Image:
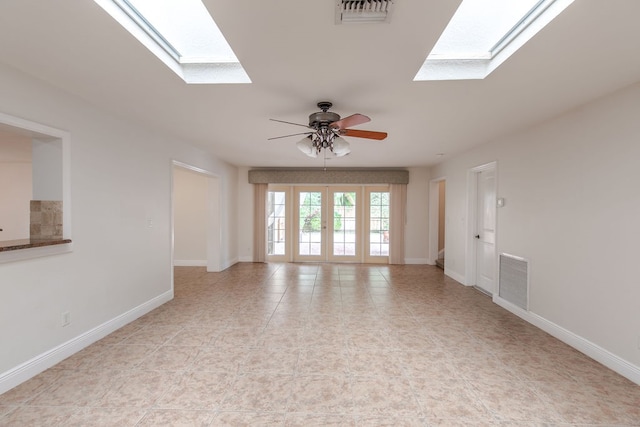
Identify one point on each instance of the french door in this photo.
(328, 224)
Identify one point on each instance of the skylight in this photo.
(483, 33)
(183, 35)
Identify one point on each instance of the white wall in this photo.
(190, 217)
(15, 185)
(416, 236)
(572, 191)
(245, 215)
(15, 196)
(47, 169)
(120, 179)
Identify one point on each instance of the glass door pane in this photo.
(276, 223)
(310, 224)
(378, 224)
(345, 243)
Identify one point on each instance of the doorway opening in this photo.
(437, 222)
(195, 218)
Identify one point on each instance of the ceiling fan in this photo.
(327, 129)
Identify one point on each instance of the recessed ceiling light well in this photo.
(482, 34)
(183, 35)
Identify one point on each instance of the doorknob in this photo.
(477, 236)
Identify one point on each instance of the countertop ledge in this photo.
(14, 245)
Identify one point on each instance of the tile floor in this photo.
(329, 344)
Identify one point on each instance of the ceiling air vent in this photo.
(363, 11)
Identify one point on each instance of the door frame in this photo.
(213, 227)
(367, 258)
(323, 189)
(288, 233)
(331, 232)
(434, 221)
(472, 221)
(362, 223)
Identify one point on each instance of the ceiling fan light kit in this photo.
(327, 128)
(307, 147)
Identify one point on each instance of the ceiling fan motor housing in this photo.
(321, 118)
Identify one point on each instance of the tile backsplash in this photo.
(46, 219)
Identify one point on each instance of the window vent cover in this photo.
(363, 11)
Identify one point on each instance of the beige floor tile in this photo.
(505, 400)
(31, 388)
(318, 336)
(325, 344)
(195, 336)
(374, 363)
(279, 360)
(321, 394)
(259, 393)
(138, 388)
(247, 419)
(452, 399)
(319, 420)
(224, 359)
(105, 417)
(384, 396)
(390, 421)
(433, 365)
(197, 390)
(78, 388)
(176, 418)
(169, 358)
(585, 404)
(153, 335)
(38, 416)
(245, 336)
(368, 339)
(280, 338)
(6, 409)
(119, 357)
(323, 361)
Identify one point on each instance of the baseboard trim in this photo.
(230, 263)
(415, 261)
(190, 263)
(455, 276)
(40, 363)
(594, 351)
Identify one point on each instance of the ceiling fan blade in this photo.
(290, 123)
(293, 134)
(364, 134)
(352, 120)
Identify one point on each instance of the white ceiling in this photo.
(296, 56)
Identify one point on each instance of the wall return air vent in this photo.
(513, 284)
(363, 11)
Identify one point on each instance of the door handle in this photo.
(477, 236)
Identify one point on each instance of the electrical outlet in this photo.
(66, 318)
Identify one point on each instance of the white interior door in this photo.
(485, 236)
